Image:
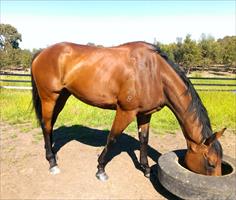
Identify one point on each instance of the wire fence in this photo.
(22, 82)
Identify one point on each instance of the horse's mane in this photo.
(196, 106)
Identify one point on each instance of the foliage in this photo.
(210, 51)
(10, 53)
(228, 50)
(26, 57)
(170, 50)
(191, 52)
(9, 37)
(206, 52)
(15, 58)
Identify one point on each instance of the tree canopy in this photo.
(10, 53)
(205, 52)
(9, 37)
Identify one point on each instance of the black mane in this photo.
(196, 106)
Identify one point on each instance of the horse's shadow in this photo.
(97, 138)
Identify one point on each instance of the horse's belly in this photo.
(95, 94)
(98, 100)
(103, 86)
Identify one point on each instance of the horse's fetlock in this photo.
(50, 156)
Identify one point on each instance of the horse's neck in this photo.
(178, 100)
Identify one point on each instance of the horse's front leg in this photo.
(143, 131)
(121, 121)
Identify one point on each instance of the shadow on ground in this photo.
(125, 143)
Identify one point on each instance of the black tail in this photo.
(35, 95)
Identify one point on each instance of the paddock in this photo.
(24, 177)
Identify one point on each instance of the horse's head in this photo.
(205, 158)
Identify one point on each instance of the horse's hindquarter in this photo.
(46, 71)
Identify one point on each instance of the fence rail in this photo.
(211, 78)
(14, 81)
(15, 87)
(216, 68)
(204, 86)
(12, 74)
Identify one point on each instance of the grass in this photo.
(16, 106)
(16, 109)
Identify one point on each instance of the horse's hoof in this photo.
(54, 170)
(102, 176)
(147, 174)
(146, 171)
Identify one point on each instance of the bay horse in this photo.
(136, 79)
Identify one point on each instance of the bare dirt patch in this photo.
(25, 175)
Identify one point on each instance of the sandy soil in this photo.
(25, 175)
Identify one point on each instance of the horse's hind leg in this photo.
(143, 131)
(121, 121)
(48, 105)
(60, 103)
(51, 107)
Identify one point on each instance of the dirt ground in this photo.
(25, 175)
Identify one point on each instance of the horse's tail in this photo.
(35, 95)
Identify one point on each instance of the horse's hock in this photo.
(188, 185)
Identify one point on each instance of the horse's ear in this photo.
(214, 137)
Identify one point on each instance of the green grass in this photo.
(221, 107)
(16, 106)
(16, 109)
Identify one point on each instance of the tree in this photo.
(178, 51)
(228, 50)
(10, 53)
(9, 37)
(26, 57)
(191, 53)
(207, 52)
(210, 51)
(168, 49)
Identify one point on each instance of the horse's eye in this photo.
(211, 165)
